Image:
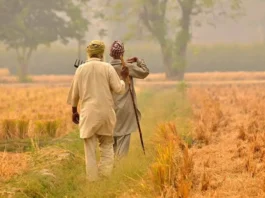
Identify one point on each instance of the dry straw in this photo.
(171, 173)
(37, 112)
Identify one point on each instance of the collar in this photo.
(115, 62)
(93, 59)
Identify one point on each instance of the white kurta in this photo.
(93, 85)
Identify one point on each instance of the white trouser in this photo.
(106, 157)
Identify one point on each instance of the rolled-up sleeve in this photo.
(116, 85)
(73, 95)
(140, 70)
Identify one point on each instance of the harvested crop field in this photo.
(12, 164)
(38, 111)
(222, 125)
(228, 127)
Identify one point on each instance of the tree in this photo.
(170, 22)
(25, 25)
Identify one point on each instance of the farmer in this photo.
(93, 84)
(126, 118)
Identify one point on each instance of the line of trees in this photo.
(25, 25)
(169, 22)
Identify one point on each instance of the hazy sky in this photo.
(245, 29)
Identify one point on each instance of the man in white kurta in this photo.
(93, 85)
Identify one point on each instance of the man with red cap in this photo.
(126, 119)
(92, 88)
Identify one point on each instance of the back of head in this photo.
(117, 49)
(96, 48)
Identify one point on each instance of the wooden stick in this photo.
(134, 106)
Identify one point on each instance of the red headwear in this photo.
(117, 49)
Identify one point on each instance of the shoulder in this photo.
(95, 63)
(108, 67)
(130, 65)
(107, 64)
(81, 68)
(101, 63)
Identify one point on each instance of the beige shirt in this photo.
(93, 85)
(125, 113)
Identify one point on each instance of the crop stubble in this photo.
(228, 125)
(229, 151)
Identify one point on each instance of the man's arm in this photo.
(140, 70)
(73, 98)
(117, 85)
(75, 92)
(75, 115)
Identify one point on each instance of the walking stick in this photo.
(134, 106)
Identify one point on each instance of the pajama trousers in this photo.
(121, 145)
(104, 168)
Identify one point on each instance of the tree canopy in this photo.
(169, 22)
(24, 25)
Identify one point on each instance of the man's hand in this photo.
(132, 60)
(124, 73)
(75, 118)
(75, 115)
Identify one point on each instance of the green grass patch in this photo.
(59, 170)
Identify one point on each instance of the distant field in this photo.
(4, 72)
(214, 76)
(159, 77)
(61, 79)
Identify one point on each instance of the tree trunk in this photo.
(172, 72)
(23, 57)
(179, 63)
(153, 17)
(167, 59)
(182, 39)
(23, 71)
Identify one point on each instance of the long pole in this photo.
(134, 106)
